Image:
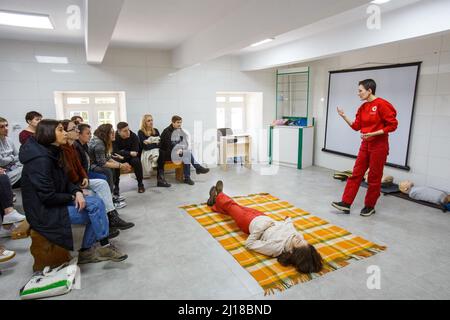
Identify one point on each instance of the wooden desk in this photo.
(230, 149)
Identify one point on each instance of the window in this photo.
(236, 99)
(221, 99)
(105, 100)
(237, 118)
(220, 114)
(77, 100)
(106, 117)
(83, 114)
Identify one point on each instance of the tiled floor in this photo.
(173, 257)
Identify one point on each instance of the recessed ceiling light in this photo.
(50, 59)
(379, 1)
(28, 20)
(63, 70)
(262, 42)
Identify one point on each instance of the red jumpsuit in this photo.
(371, 116)
(241, 215)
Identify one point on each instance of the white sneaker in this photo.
(5, 233)
(119, 205)
(6, 255)
(13, 217)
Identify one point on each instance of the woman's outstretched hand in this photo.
(340, 111)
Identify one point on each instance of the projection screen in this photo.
(396, 84)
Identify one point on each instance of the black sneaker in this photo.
(201, 170)
(116, 222)
(189, 181)
(367, 211)
(163, 184)
(113, 232)
(344, 207)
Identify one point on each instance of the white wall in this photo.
(150, 83)
(429, 154)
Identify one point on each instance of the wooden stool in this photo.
(46, 253)
(179, 175)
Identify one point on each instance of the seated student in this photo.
(32, 118)
(149, 139)
(7, 211)
(9, 155)
(78, 176)
(175, 147)
(102, 161)
(77, 119)
(52, 203)
(267, 236)
(126, 145)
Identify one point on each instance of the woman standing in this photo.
(376, 118)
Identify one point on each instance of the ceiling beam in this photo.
(253, 22)
(101, 18)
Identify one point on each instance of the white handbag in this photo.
(52, 282)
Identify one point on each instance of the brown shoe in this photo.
(88, 256)
(141, 189)
(219, 186)
(212, 196)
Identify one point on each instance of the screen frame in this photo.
(405, 167)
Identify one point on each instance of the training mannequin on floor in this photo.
(422, 193)
(269, 237)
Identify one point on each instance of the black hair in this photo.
(45, 131)
(369, 84)
(83, 126)
(305, 259)
(31, 115)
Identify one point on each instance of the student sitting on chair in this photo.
(9, 155)
(126, 145)
(52, 203)
(175, 147)
(32, 118)
(149, 139)
(267, 236)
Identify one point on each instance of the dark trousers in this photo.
(136, 163)
(6, 194)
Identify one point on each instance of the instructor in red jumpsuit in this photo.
(375, 119)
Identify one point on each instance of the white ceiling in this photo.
(199, 30)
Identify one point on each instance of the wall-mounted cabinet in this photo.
(292, 92)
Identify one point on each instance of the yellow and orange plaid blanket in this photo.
(336, 245)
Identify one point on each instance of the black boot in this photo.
(113, 232)
(161, 181)
(116, 222)
(189, 181)
(201, 170)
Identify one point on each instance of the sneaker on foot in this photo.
(344, 207)
(189, 181)
(88, 256)
(6, 255)
(110, 252)
(201, 170)
(119, 205)
(163, 183)
(118, 198)
(367, 211)
(13, 217)
(141, 189)
(219, 186)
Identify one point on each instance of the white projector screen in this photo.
(396, 84)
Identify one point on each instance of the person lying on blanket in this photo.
(267, 236)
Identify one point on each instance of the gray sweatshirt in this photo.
(9, 159)
(428, 194)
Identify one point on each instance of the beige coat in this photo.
(271, 237)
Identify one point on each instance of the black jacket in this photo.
(125, 146)
(143, 137)
(83, 152)
(46, 192)
(172, 137)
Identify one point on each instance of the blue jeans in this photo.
(96, 175)
(95, 219)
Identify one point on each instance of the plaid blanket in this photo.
(336, 245)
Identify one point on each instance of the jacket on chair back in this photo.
(46, 192)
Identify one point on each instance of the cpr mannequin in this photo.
(386, 181)
(424, 193)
